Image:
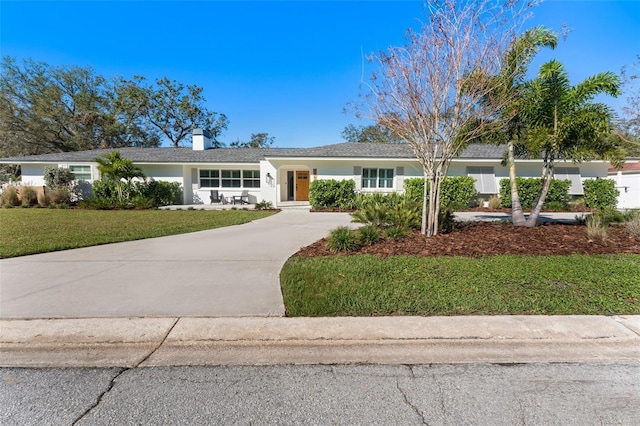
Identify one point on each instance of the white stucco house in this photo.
(282, 175)
(628, 183)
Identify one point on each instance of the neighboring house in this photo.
(281, 175)
(628, 183)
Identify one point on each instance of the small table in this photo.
(243, 199)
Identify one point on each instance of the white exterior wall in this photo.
(33, 174)
(629, 186)
(269, 186)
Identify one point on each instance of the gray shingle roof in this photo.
(253, 155)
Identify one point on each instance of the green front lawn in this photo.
(365, 285)
(30, 231)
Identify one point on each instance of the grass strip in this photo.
(409, 285)
(30, 231)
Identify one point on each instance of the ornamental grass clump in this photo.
(597, 229)
(494, 202)
(369, 235)
(9, 197)
(342, 239)
(633, 224)
(29, 196)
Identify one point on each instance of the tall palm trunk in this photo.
(517, 215)
(542, 195)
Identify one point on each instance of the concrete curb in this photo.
(133, 342)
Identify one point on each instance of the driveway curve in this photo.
(231, 271)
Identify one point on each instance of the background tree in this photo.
(258, 140)
(429, 91)
(629, 123)
(172, 108)
(369, 134)
(52, 109)
(563, 123)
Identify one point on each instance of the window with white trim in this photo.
(485, 179)
(251, 178)
(209, 178)
(81, 172)
(377, 178)
(572, 174)
(230, 178)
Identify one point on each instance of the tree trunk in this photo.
(423, 228)
(542, 195)
(435, 182)
(517, 215)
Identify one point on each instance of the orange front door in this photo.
(302, 186)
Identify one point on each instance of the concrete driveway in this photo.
(232, 271)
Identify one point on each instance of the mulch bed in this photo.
(487, 239)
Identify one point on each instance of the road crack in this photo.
(410, 404)
(121, 371)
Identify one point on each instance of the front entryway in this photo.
(302, 185)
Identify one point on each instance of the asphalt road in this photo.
(481, 394)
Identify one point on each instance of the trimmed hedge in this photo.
(332, 194)
(600, 193)
(456, 192)
(528, 189)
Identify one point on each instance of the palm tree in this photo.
(117, 168)
(562, 122)
(513, 74)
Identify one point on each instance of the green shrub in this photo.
(446, 221)
(529, 188)
(395, 232)
(56, 177)
(456, 192)
(369, 235)
(600, 193)
(29, 196)
(142, 202)
(332, 194)
(160, 193)
(408, 215)
(387, 210)
(391, 200)
(555, 206)
(10, 197)
(121, 194)
(96, 203)
(413, 189)
(342, 239)
(609, 215)
(264, 205)
(376, 214)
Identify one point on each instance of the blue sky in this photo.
(283, 67)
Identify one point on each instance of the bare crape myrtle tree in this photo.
(432, 91)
